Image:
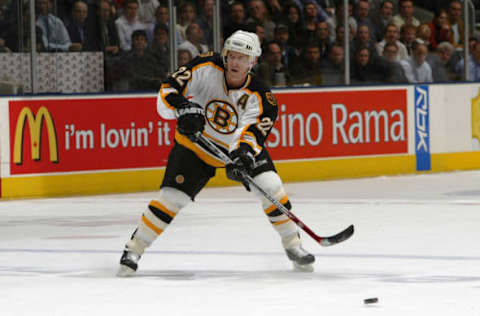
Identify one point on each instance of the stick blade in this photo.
(338, 238)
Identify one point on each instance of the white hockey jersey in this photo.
(233, 116)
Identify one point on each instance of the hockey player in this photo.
(219, 97)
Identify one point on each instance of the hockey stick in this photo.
(324, 241)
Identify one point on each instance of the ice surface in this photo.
(416, 248)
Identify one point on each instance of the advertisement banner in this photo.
(340, 123)
(48, 136)
(85, 134)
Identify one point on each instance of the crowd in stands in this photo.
(390, 41)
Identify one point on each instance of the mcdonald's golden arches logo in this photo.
(35, 124)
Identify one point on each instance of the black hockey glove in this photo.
(190, 119)
(243, 161)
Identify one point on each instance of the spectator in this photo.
(14, 43)
(160, 51)
(407, 37)
(108, 40)
(289, 54)
(320, 4)
(337, 19)
(444, 52)
(114, 10)
(161, 14)
(458, 54)
(416, 67)
(236, 20)
(439, 68)
(367, 69)
(310, 20)
(161, 17)
(118, 4)
(127, 24)
(146, 11)
(308, 70)
(183, 56)
(295, 25)
(185, 17)
(205, 20)
(109, 43)
(260, 31)
(63, 9)
(382, 19)
(440, 28)
(395, 73)
(424, 34)
(334, 67)
(194, 40)
(323, 39)
(391, 36)
(473, 64)
(363, 18)
(259, 14)
(363, 40)
(140, 69)
(81, 35)
(3, 32)
(406, 14)
(456, 22)
(9, 37)
(275, 8)
(272, 70)
(340, 35)
(54, 34)
(4, 27)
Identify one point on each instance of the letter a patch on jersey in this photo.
(242, 102)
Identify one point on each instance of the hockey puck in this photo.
(371, 300)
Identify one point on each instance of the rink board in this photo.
(70, 145)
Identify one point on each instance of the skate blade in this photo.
(125, 272)
(303, 267)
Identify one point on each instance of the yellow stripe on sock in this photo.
(162, 208)
(151, 226)
(281, 222)
(272, 207)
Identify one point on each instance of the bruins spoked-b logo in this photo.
(221, 116)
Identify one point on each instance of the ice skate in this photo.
(128, 263)
(301, 259)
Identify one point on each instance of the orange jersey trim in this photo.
(164, 95)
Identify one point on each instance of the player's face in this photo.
(238, 64)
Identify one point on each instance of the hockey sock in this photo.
(280, 222)
(156, 218)
(271, 183)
